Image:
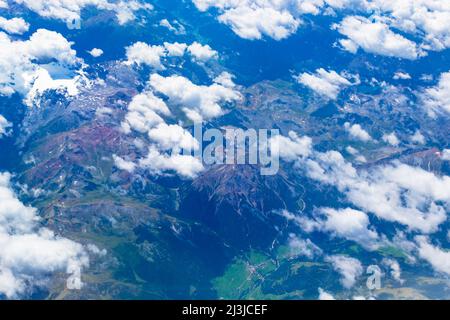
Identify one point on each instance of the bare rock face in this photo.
(239, 203)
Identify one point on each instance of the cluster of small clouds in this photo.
(278, 19)
(24, 66)
(29, 253)
(326, 83)
(199, 102)
(395, 192)
(370, 25)
(147, 111)
(387, 191)
(69, 11)
(142, 53)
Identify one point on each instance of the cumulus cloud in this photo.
(144, 112)
(278, 19)
(14, 25)
(28, 254)
(395, 269)
(370, 29)
(437, 98)
(96, 52)
(401, 76)
(418, 138)
(323, 295)
(349, 268)
(201, 52)
(198, 101)
(375, 37)
(391, 138)
(388, 191)
(437, 257)
(445, 154)
(158, 162)
(123, 164)
(347, 223)
(142, 53)
(175, 49)
(427, 19)
(254, 22)
(69, 11)
(168, 145)
(5, 125)
(292, 147)
(303, 247)
(225, 79)
(325, 83)
(29, 73)
(175, 26)
(357, 132)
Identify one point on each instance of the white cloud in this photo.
(29, 73)
(349, 224)
(326, 83)
(202, 52)
(28, 254)
(3, 4)
(395, 270)
(254, 22)
(278, 19)
(198, 101)
(151, 55)
(166, 141)
(5, 125)
(225, 79)
(375, 37)
(446, 155)
(437, 98)
(175, 26)
(391, 138)
(292, 147)
(399, 75)
(396, 192)
(349, 268)
(426, 20)
(173, 137)
(323, 295)
(144, 112)
(142, 53)
(303, 247)
(71, 10)
(14, 25)
(437, 257)
(418, 138)
(175, 49)
(123, 164)
(357, 132)
(158, 162)
(96, 52)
